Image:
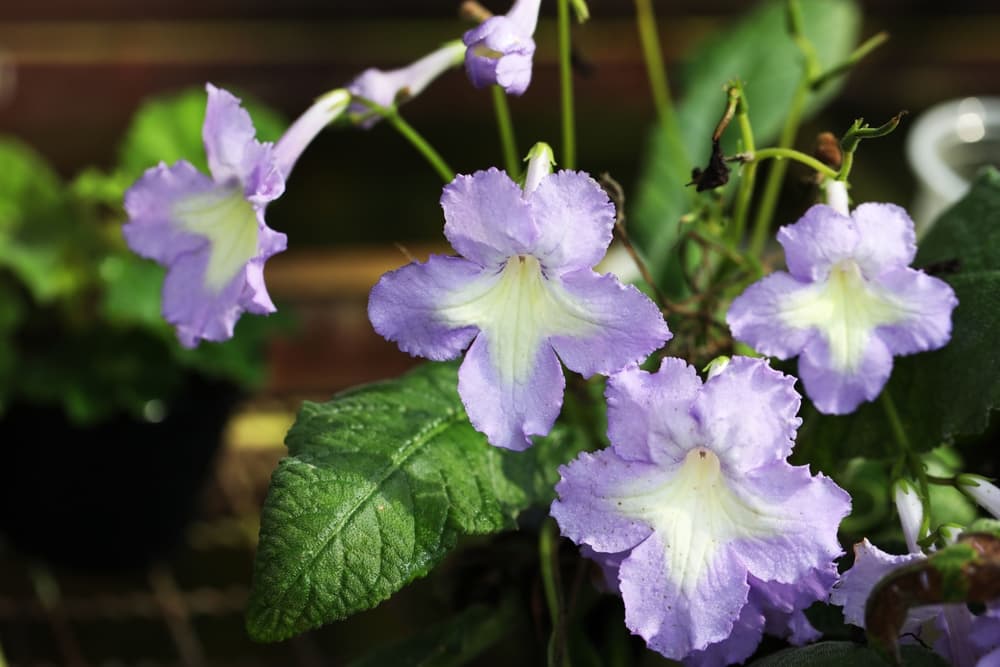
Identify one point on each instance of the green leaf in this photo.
(838, 654)
(380, 483)
(168, 129)
(759, 51)
(451, 643)
(948, 392)
(36, 227)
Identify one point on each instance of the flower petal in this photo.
(510, 408)
(574, 218)
(886, 238)
(152, 230)
(487, 219)
(674, 612)
(622, 324)
(834, 392)
(821, 238)
(855, 585)
(228, 134)
(741, 643)
(590, 489)
(405, 305)
(755, 317)
(649, 414)
(747, 413)
(927, 302)
(802, 513)
(499, 52)
(198, 312)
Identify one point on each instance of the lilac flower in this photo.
(848, 304)
(521, 293)
(964, 639)
(388, 88)
(500, 48)
(722, 538)
(209, 231)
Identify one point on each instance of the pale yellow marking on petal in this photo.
(517, 309)
(695, 514)
(229, 222)
(846, 309)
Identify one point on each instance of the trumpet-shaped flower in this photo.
(387, 88)
(718, 538)
(849, 303)
(500, 49)
(209, 231)
(521, 293)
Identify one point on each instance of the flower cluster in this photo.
(717, 539)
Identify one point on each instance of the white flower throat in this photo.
(229, 222)
(846, 309)
(517, 308)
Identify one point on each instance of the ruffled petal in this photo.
(838, 393)
(153, 230)
(755, 317)
(821, 238)
(678, 612)
(747, 413)
(405, 306)
(623, 325)
(649, 414)
(798, 515)
(229, 135)
(510, 406)
(886, 238)
(487, 219)
(747, 632)
(871, 564)
(590, 489)
(199, 313)
(927, 303)
(574, 218)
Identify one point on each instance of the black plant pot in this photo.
(110, 496)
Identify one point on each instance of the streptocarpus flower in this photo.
(209, 231)
(964, 639)
(849, 303)
(722, 538)
(500, 48)
(388, 88)
(521, 293)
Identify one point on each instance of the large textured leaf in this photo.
(759, 51)
(948, 392)
(379, 484)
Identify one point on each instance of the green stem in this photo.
(548, 540)
(506, 128)
(566, 85)
(792, 154)
(748, 175)
(772, 188)
(416, 140)
(911, 458)
(649, 40)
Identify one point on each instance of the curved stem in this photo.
(651, 53)
(416, 140)
(748, 175)
(506, 128)
(791, 154)
(772, 188)
(548, 554)
(566, 86)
